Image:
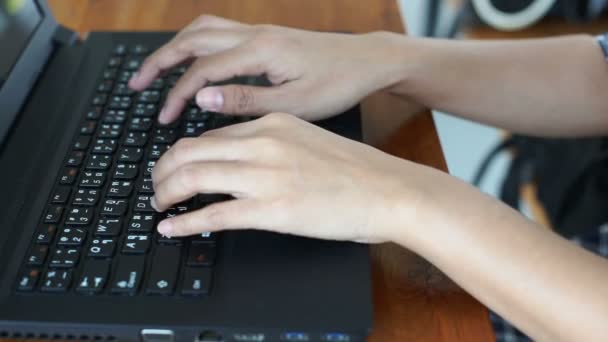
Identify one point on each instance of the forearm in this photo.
(547, 286)
(550, 87)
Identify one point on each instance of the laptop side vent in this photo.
(46, 336)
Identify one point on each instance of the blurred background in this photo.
(464, 143)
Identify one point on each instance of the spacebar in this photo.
(163, 275)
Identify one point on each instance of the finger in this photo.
(181, 48)
(213, 68)
(206, 21)
(238, 99)
(188, 180)
(234, 214)
(190, 150)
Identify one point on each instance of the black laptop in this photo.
(80, 258)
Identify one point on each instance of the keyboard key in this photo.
(194, 114)
(157, 150)
(92, 179)
(201, 254)
(114, 207)
(82, 142)
(136, 139)
(99, 99)
(72, 237)
(88, 127)
(104, 146)
(99, 162)
(149, 167)
(105, 86)
(194, 129)
(197, 281)
(61, 195)
(141, 223)
(165, 240)
(130, 154)
(79, 216)
(204, 237)
(37, 255)
(45, 234)
(145, 109)
(136, 244)
(102, 248)
(122, 89)
(126, 171)
(129, 272)
(120, 50)
(65, 258)
(56, 280)
(163, 275)
(27, 280)
(139, 49)
(132, 63)
(94, 113)
(68, 176)
(142, 204)
(53, 214)
(120, 189)
(148, 96)
(157, 84)
(86, 197)
(108, 226)
(140, 124)
(94, 276)
(114, 62)
(124, 76)
(145, 187)
(119, 102)
(115, 116)
(111, 131)
(164, 136)
(75, 158)
(109, 74)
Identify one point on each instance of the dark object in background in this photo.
(571, 176)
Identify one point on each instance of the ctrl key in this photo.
(197, 281)
(27, 280)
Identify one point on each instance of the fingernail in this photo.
(153, 203)
(165, 228)
(210, 99)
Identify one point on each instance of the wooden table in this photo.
(413, 300)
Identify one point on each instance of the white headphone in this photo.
(512, 21)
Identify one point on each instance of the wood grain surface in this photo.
(413, 300)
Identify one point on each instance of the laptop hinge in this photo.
(64, 36)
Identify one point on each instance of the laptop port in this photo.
(157, 335)
(295, 337)
(249, 337)
(335, 337)
(209, 336)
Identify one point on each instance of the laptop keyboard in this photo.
(98, 234)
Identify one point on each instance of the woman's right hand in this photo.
(314, 75)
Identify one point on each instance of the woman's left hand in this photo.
(287, 176)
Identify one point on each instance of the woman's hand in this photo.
(287, 176)
(315, 75)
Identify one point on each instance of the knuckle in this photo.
(276, 119)
(188, 177)
(267, 144)
(243, 98)
(182, 149)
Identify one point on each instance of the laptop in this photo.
(80, 258)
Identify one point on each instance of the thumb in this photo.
(244, 99)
